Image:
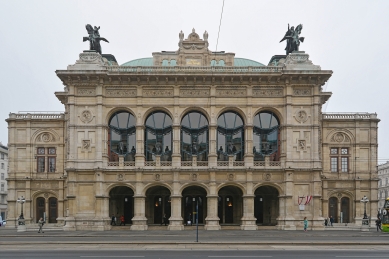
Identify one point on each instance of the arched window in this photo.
(266, 136)
(230, 136)
(158, 136)
(194, 137)
(122, 139)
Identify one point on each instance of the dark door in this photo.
(345, 209)
(228, 210)
(258, 205)
(127, 208)
(333, 208)
(158, 208)
(53, 210)
(40, 208)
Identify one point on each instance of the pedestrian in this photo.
(305, 224)
(122, 220)
(164, 220)
(40, 224)
(378, 224)
(325, 222)
(113, 220)
(332, 221)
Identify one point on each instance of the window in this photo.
(2, 156)
(266, 136)
(342, 158)
(122, 140)
(158, 136)
(230, 136)
(2, 176)
(2, 187)
(194, 137)
(46, 155)
(2, 165)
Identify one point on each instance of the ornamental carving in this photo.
(194, 177)
(267, 176)
(230, 92)
(302, 91)
(109, 92)
(194, 93)
(301, 116)
(302, 144)
(45, 137)
(340, 137)
(85, 144)
(120, 177)
(230, 177)
(86, 91)
(157, 177)
(86, 116)
(158, 93)
(89, 57)
(267, 92)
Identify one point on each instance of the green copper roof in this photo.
(148, 62)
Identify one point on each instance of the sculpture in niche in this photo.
(94, 38)
(293, 39)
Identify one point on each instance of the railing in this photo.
(222, 163)
(150, 163)
(129, 163)
(274, 163)
(202, 163)
(35, 116)
(166, 163)
(352, 116)
(186, 163)
(238, 163)
(113, 164)
(189, 69)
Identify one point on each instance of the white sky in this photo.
(348, 37)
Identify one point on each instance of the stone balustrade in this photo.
(350, 116)
(37, 116)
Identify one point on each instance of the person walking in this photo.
(332, 221)
(113, 220)
(40, 224)
(164, 220)
(122, 220)
(325, 222)
(305, 224)
(378, 224)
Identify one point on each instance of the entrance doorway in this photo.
(121, 202)
(333, 208)
(230, 205)
(53, 210)
(266, 205)
(158, 204)
(345, 209)
(40, 208)
(194, 198)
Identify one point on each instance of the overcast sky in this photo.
(348, 37)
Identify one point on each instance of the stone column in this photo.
(176, 219)
(248, 150)
(248, 220)
(140, 156)
(212, 219)
(176, 155)
(212, 156)
(139, 221)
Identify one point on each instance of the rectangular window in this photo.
(334, 151)
(51, 151)
(334, 164)
(344, 151)
(345, 164)
(41, 164)
(2, 165)
(2, 176)
(51, 164)
(2, 187)
(2, 156)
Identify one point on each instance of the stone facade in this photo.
(383, 184)
(188, 133)
(3, 180)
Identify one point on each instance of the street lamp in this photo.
(21, 200)
(364, 200)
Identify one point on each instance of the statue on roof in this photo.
(293, 39)
(94, 38)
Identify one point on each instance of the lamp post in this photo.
(21, 200)
(364, 200)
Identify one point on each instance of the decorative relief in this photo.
(194, 177)
(267, 92)
(46, 195)
(157, 177)
(339, 195)
(267, 176)
(230, 92)
(301, 116)
(340, 137)
(86, 144)
(230, 177)
(86, 116)
(120, 177)
(158, 93)
(302, 91)
(302, 145)
(89, 57)
(86, 91)
(194, 92)
(114, 92)
(45, 137)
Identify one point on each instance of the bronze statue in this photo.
(293, 39)
(94, 38)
